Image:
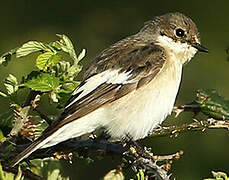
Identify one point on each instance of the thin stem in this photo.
(195, 126)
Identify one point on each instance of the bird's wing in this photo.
(106, 81)
(130, 70)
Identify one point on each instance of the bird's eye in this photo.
(179, 32)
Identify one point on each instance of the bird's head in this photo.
(177, 34)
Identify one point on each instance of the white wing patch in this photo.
(108, 76)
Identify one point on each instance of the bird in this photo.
(129, 88)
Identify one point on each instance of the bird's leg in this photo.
(140, 151)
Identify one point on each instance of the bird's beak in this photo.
(200, 48)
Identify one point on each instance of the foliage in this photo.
(218, 176)
(57, 66)
(209, 102)
(54, 75)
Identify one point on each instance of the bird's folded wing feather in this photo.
(113, 74)
(130, 70)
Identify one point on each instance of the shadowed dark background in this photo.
(96, 24)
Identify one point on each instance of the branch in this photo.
(135, 156)
(195, 126)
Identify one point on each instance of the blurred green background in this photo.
(96, 24)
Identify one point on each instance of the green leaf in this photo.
(81, 55)
(218, 176)
(114, 174)
(63, 97)
(212, 104)
(140, 175)
(11, 84)
(46, 59)
(67, 46)
(2, 137)
(1, 172)
(7, 56)
(3, 94)
(6, 118)
(5, 175)
(19, 175)
(60, 69)
(31, 47)
(74, 70)
(49, 169)
(43, 82)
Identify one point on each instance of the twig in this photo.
(195, 126)
(30, 97)
(43, 116)
(148, 164)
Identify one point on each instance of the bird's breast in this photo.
(139, 112)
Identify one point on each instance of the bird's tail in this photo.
(58, 133)
(39, 143)
(29, 150)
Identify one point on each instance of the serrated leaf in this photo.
(11, 84)
(74, 70)
(41, 81)
(60, 70)
(67, 46)
(56, 45)
(31, 47)
(46, 59)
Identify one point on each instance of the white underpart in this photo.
(140, 111)
(137, 113)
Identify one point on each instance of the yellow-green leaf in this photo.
(11, 84)
(67, 46)
(114, 174)
(2, 137)
(30, 47)
(42, 81)
(7, 56)
(3, 94)
(46, 59)
(81, 55)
